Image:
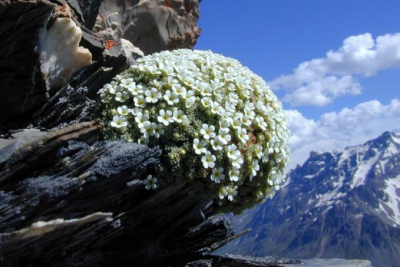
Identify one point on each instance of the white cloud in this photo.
(319, 81)
(322, 91)
(336, 130)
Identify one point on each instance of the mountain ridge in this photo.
(339, 204)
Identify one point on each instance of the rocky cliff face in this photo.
(151, 25)
(342, 204)
(56, 55)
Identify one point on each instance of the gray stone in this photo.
(151, 25)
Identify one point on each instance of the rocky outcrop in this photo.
(38, 68)
(67, 199)
(151, 25)
(52, 64)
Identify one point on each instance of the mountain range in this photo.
(339, 204)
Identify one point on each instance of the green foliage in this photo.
(219, 124)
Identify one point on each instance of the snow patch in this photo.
(363, 167)
(392, 207)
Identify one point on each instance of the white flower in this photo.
(123, 110)
(152, 70)
(181, 72)
(226, 115)
(224, 136)
(113, 88)
(136, 90)
(150, 182)
(127, 83)
(246, 120)
(233, 98)
(236, 122)
(179, 90)
(139, 101)
(178, 116)
(141, 118)
(218, 175)
(258, 151)
(242, 135)
(189, 80)
(148, 129)
(165, 117)
(119, 122)
(248, 111)
(185, 120)
(208, 160)
(223, 192)
(229, 107)
(189, 96)
(143, 140)
(232, 192)
(199, 146)
(118, 78)
(265, 155)
(172, 81)
(152, 95)
(158, 131)
(171, 98)
(205, 89)
(229, 76)
(216, 143)
(233, 152)
(135, 111)
(190, 99)
(234, 174)
(215, 108)
(231, 87)
(121, 96)
(224, 124)
(254, 169)
(237, 163)
(208, 131)
(216, 84)
(206, 102)
(261, 123)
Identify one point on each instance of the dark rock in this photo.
(239, 260)
(68, 199)
(22, 88)
(75, 101)
(151, 25)
(90, 10)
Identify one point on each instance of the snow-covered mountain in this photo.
(342, 204)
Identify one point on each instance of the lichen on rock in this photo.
(219, 124)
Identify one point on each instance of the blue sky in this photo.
(272, 37)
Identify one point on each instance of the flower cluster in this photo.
(218, 123)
